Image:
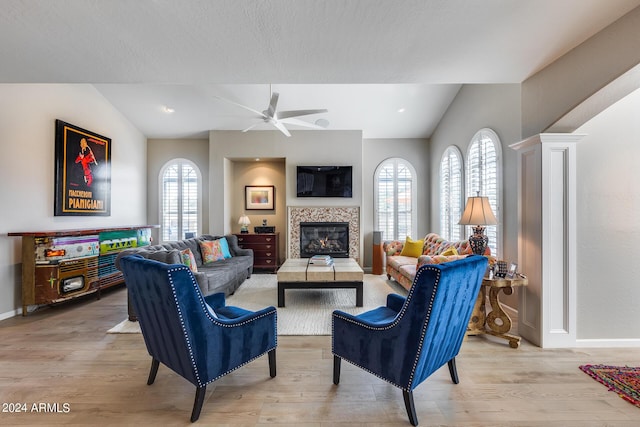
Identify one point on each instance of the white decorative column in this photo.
(547, 238)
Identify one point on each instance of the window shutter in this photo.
(450, 194)
(395, 194)
(170, 203)
(180, 194)
(482, 177)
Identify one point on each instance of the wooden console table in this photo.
(497, 322)
(61, 265)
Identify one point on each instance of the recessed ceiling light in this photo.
(401, 110)
(168, 110)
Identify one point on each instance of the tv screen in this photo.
(324, 181)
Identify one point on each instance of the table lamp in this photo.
(478, 213)
(244, 222)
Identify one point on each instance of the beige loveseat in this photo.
(402, 268)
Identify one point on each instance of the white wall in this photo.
(557, 89)
(375, 151)
(476, 107)
(305, 147)
(608, 229)
(161, 151)
(27, 128)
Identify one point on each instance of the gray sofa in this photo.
(219, 276)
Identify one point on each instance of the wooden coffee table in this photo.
(345, 273)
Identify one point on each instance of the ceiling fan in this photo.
(280, 118)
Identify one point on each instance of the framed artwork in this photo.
(82, 172)
(513, 269)
(259, 197)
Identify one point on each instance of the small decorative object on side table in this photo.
(497, 322)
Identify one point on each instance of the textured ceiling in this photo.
(361, 59)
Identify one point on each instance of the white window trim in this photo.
(414, 196)
(163, 169)
(498, 147)
(456, 151)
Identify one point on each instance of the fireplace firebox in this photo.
(324, 238)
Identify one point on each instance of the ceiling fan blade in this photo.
(273, 104)
(281, 127)
(298, 122)
(251, 127)
(262, 115)
(297, 113)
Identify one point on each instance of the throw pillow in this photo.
(211, 251)
(171, 256)
(224, 245)
(451, 250)
(189, 260)
(412, 248)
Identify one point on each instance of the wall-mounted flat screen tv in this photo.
(324, 181)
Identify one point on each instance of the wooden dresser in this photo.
(265, 248)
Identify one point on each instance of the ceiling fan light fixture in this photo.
(324, 123)
(278, 119)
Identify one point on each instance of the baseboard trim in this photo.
(10, 314)
(608, 343)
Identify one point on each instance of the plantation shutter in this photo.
(450, 194)
(189, 201)
(180, 200)
(482, 178)
(170, 199)
(395, 194)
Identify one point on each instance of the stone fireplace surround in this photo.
(298, 214)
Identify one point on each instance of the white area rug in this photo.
(307, 311)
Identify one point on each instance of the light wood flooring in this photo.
(63, 355)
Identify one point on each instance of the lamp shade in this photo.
(478, 212)
(244, 220)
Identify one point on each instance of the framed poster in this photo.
(82, 172)
(259, 197)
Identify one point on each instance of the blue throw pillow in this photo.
(224, 245)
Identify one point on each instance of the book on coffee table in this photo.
(321, 260)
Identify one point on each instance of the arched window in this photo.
(451, 202)
(180, 200)
(395, 198)
(484, 176)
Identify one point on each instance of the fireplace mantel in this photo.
(298, 214)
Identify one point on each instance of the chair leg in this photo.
(197, 404)
(453, 371)
(336, 369)
(154, 371)
(411, 407)
(272, 363)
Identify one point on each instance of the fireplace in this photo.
(324, 238)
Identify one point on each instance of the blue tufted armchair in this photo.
(409, 339)
(200, 338)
